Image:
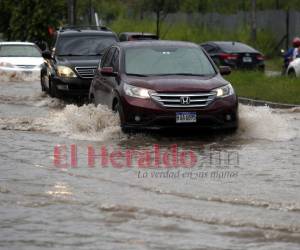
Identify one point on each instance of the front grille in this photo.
(26, 66)
(184, 100)
(86, 72)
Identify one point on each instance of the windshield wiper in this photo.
(182, 74)
(70, 55)
(97, 54)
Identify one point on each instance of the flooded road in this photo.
(241, 192)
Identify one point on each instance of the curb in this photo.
(277, 105)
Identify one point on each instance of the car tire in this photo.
(42, 83)
(232, 130)
(91, 100)
(52, 90)
(117, 108)
(292, 73)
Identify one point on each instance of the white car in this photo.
(21, 57)
(294, 68)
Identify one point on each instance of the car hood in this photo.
(78, 60)
(22, 60)
(177, 83)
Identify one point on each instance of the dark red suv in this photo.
(164, 84)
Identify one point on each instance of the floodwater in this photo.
(241, 191)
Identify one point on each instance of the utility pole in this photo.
(277, 5)
(71, 12)
(253, 21)
(90, 12)
(287, 23)
(158, 22)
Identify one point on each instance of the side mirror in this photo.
(47, 54)
(225, 70)
(108, 71)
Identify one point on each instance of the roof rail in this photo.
(80, 28)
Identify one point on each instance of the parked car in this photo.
(164, 84)
(136, 36)
(235, 54)
(293, 68)
(70, 67)
(20, 57)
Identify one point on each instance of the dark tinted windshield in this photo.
(83, 45)
(143, 37)
(162, 60)
(235, 47)
(19, 51)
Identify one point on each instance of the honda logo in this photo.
(185, 100)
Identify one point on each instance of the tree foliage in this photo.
(161, 8)
(29, 19)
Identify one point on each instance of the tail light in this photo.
(260, 57)
(229, 56)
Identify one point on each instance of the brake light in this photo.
(229, 56)
(260, 57)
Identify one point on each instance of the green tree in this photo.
(161, 8)
(29, 19)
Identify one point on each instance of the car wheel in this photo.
(42, 83)
(92, 100)
(232, 130)
(52, 90)
(292, 73)
(117, 108)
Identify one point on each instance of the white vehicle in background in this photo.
(21, 57)
(294, 68)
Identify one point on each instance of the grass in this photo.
(257, 85)
(184, 31)
(274, 64)
(254, 85)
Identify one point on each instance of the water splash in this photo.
(16, 75)
(100, 123)
(264, 123)
(87, 122)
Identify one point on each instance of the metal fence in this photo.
(275, 21)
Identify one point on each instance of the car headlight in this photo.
(224, 91)
(64, 71)
(137, 91)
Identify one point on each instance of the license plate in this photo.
(247, 59)
(186, 117)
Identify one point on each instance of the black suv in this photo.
(70, 67)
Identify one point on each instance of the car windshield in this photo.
(83, 45)
(19, 51)
(235, 47)
(167, 61)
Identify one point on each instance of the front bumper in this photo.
(72, 86)
(220, 114)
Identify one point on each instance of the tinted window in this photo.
(143, 37)
(108, 58)
(161, 60)
(19, 51)
(122, 37)
(234, 47)
(115, 61)
(209, 48)
(83, 45)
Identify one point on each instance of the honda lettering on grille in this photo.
(185, 100)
